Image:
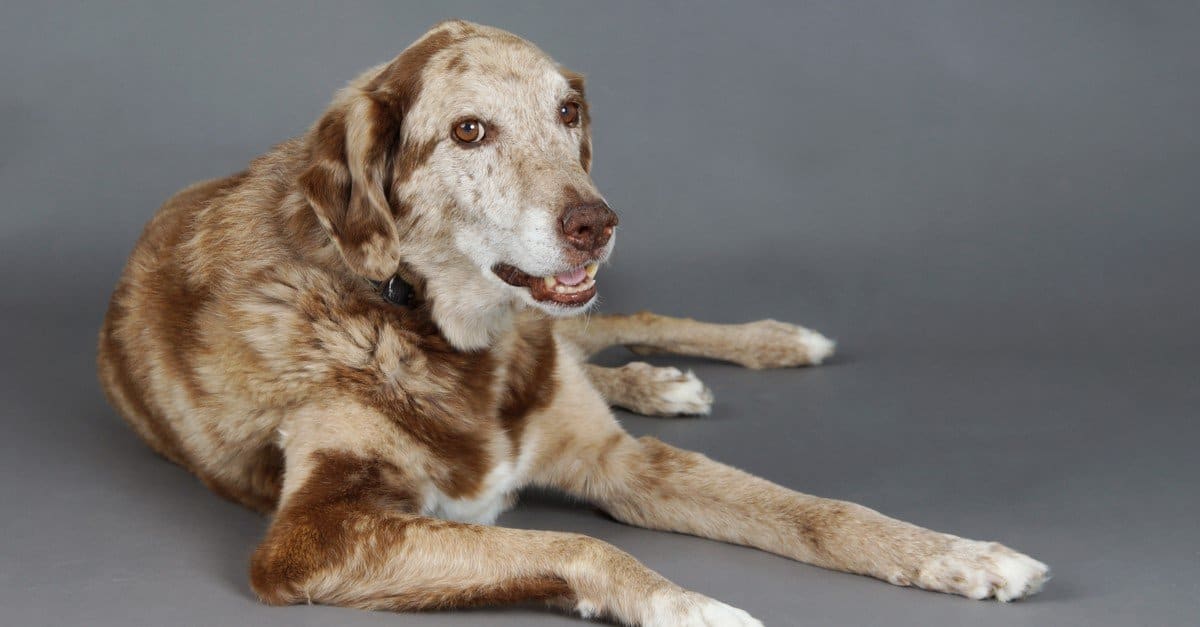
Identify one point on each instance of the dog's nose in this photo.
(588, 226)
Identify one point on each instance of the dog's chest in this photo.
(522, 383)
(496, 494)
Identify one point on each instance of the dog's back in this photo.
(157, 359)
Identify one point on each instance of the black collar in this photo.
(396, 291)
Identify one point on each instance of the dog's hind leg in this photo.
(651, 391)
(761, 344)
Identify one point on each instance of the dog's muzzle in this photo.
(571, 288)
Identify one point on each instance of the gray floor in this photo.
(994, 208)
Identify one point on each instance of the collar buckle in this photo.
(396, 291)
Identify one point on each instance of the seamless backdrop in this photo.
(994, 207)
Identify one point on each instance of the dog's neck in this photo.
(472, 312)
(473, 327)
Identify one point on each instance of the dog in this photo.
(372, 335)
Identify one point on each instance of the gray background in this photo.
(993, 206)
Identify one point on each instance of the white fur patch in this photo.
(682, 393)
(816, 346)
(493, 499)
(587, 609)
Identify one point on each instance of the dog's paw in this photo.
(983, 570)
(689, 609)
(653, 391)
(774, 344)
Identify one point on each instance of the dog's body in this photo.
(248, 341)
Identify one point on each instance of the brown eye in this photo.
(469, 131)
(568, 112)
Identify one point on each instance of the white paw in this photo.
(982, 570)
(818, 347)
(587, 610)
(774, 344)
(688, 609)
(667, 391)
(682, 393)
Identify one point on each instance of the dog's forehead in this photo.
(484, 65)
(487, 75)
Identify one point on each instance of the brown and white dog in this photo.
(248, 341)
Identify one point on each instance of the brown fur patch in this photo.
(531, 381)
(512, 591)
(175, 305)
(461, 441)
(343, 201)
(410, 159)
(457, 64)
(400, 83)
(316, 530)
(125, 391)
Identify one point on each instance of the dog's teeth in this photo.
(550, 281)
(592, 269)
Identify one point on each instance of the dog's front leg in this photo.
(759, 344)
(349, 532)
(651, 390)
(651, 484)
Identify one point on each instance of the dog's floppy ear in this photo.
(349, 173)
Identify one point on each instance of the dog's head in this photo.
(467, 159)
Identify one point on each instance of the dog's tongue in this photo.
(571, 277)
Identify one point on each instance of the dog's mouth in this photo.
(573, 288)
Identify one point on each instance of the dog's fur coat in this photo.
(246, 342)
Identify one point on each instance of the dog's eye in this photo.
(568, 112)
(469, 131)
